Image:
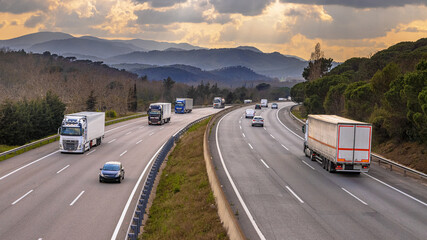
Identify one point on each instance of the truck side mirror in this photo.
(303, 128)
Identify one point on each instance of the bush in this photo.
(111, 114)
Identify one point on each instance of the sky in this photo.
(344, 29)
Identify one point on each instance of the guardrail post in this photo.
(391, 167)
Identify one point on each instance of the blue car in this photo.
(112, 172)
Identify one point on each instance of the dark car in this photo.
(257, 106)
(112, 172)
(274, 106)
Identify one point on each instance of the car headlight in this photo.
(101, 174)
(117, 174)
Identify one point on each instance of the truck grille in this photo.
(70, 144)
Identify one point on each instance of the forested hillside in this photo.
(389, 90)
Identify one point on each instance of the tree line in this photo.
(389, 90)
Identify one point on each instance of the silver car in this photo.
(257, 121)
(250, 113)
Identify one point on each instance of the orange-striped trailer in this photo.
(337, 143)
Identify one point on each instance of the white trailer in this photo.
(159, 113)
(338, 143)
(264, 103)
(81, 131)
(183, 105)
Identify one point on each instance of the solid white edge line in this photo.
(123, 153)
(250, 146)
(63, 169)
(119, 224)
(308, 164)
(112, 140)
(19, 199)
(251, 219)
(264, 163)
(90, 152)
(277, 116)
(139, 141)
(31, 163)
(351, 194)
(77, 198)
(295, 195)
(284, 147)
(397, 190)
(128, 133)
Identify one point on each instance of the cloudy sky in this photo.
(344, 28)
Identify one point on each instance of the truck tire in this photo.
(305, 151)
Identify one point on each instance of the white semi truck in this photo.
(183, 105)
(159, 113)
(338, 144)
(81, 131)
(218, 102)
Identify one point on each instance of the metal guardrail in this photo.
(142, 202)
(379, 158)
(54, 138)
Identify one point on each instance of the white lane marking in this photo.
(277, 116)
(162, 128)
(272, 136)
(40, 239)
(139, 141)
(123, 153)
(112, 140)
(284, 147)
(77, 198)
(63, 169)
(295, 195)
(151, 134)
(351, 194)
(141, 127)
(397, 190)
(243, 135)
(128, 133)
(120, 222)
(265, 128)
(122, 126)
(261, 236)
(250, 145)
(31, 163)
(264, 163)
(90, 152)
(240, 127)
(19, 199)
(308, 164)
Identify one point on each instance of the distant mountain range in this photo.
(236, 75)
(244, 61)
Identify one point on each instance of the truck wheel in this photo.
(305, 151)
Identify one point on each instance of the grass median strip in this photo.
(184, 206)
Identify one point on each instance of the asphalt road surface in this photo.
(48, 195)
(278, 193)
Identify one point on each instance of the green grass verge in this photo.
(297, 112)
(184, 206)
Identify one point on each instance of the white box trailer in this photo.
(159, 113)
(264, 102)
(81, 131)
(338, 143)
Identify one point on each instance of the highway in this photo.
(48, 195)
(278, 193)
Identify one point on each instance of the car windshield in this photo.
(111, 167)
(71, 131)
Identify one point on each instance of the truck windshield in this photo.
(217, 100)
(179, 104)
(71, 131)
(154, 112)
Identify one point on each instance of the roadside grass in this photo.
(298, 112)
(184, 206)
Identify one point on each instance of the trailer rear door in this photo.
(362, 144)
(354, 143)
(345, 144)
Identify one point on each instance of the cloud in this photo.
(23, 6)
(349, 22)
(151, 16)
(244, 7)
(359, 3)
(34, 20)
(162, 3)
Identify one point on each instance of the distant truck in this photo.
(183, 105)
(159, 113)
(247, 101)
(81, 131)
(339, 144)
(264, 103)
(219, 102)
